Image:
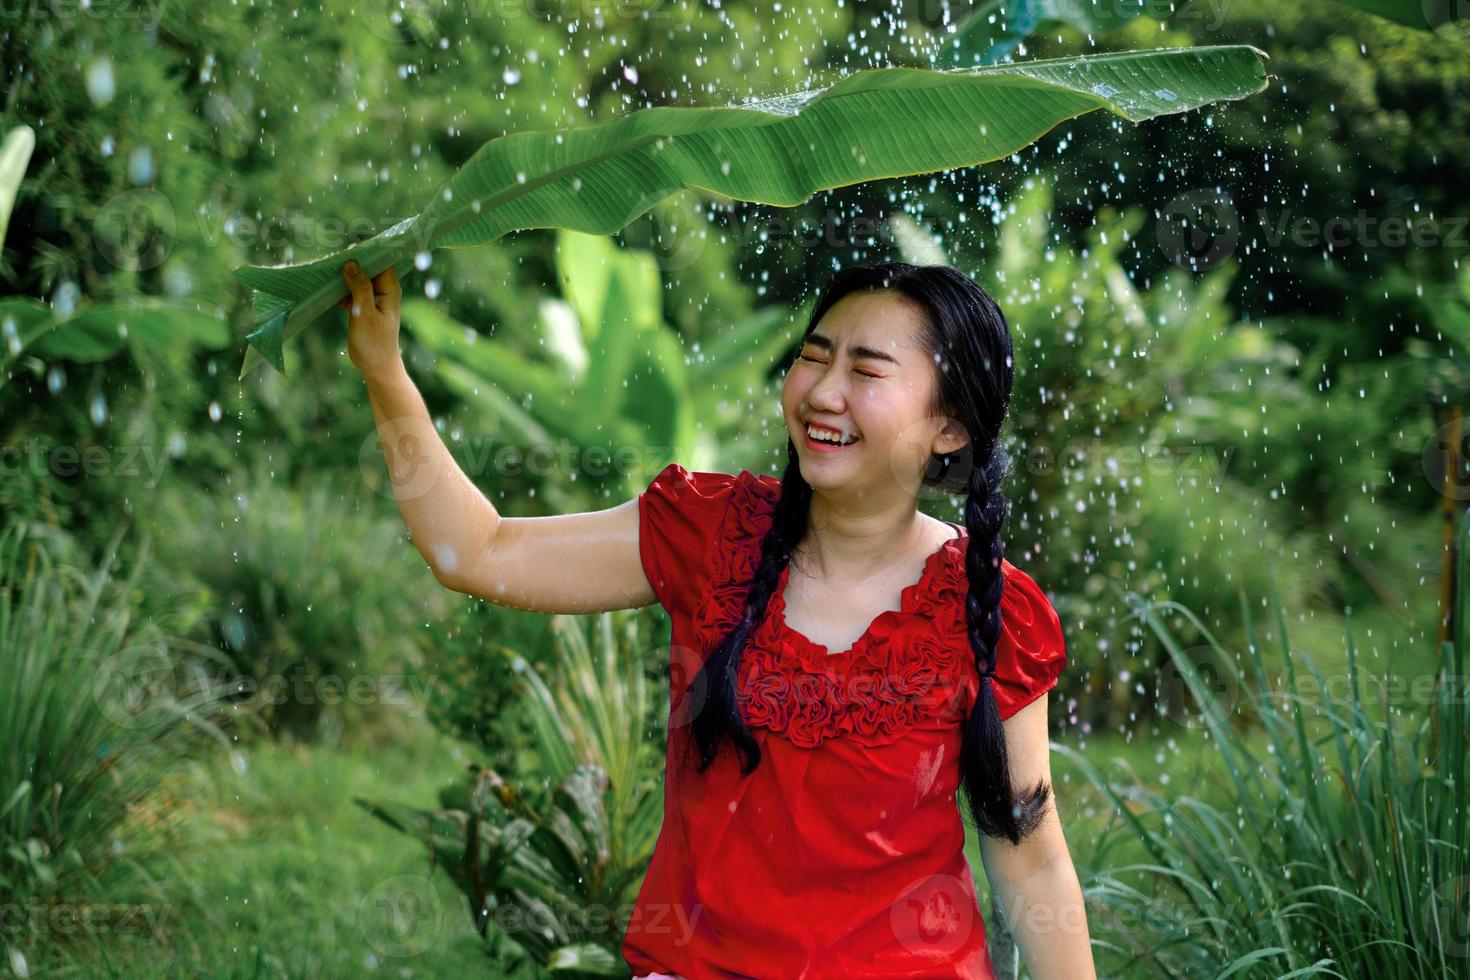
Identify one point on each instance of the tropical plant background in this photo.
(247, 734)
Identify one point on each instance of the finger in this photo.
(361, 287)
(390, 293)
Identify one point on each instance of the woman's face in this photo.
(864, 371)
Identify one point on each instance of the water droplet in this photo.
(1104, 90)
(101, 85)
(215, 412)
(422, 261)
(431, 288)
(97, 408)
(140, 165)
(64, 301)
(511, 75)
(1165, 94)
(55, 379)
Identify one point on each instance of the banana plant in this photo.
(33, 332)
(870, 125)
(615, 374)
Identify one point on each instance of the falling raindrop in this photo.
(140, 165)
(101, 85)
(97, 408)
(422, 261)
(64, 301)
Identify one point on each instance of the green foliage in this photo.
(314, 594)
(1106, 432)
(552, 871)
(993, 29)
(92, 708)
(1343, 847)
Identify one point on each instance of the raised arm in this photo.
(573, 563)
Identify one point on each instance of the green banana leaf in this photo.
(995, 28)
(873, 124)
(99, 331)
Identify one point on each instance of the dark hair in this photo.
(968, 335)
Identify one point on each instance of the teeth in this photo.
(823, 435)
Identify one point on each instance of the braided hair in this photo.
(970, 341)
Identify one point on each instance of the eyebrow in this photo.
(825, 343)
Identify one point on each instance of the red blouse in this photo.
(842, 854)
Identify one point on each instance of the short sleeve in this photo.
(1031, 652)
(679, 516)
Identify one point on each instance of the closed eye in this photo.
(855, 370)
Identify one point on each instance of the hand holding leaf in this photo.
(372, 320)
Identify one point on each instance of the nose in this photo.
(828, 394)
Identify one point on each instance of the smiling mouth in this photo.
(828, 444)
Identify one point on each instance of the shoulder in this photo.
(695, 528)
(1024, 598)
(676, 480)
(689, 510)
(1031, 651)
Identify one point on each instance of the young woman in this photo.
(841, 663)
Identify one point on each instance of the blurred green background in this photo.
(243, 715)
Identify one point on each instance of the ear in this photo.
(951, 438)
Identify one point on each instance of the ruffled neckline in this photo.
(940, 584)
